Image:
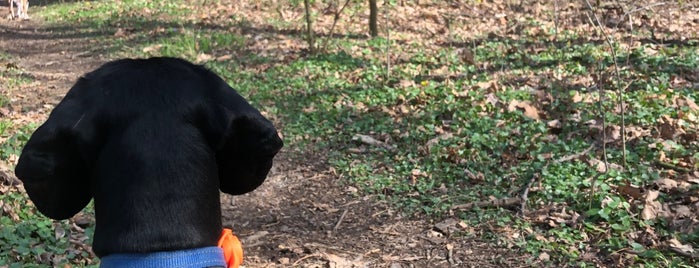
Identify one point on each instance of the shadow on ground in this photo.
(302, 216)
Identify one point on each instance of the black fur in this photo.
(152, 141)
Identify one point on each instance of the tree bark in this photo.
(373, 14)
(309, 27)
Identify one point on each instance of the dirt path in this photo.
(54, 59)
(301, 217)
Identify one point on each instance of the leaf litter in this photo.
(301, 203)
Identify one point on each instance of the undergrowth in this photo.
(456, 132)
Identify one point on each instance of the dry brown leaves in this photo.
(526, 107)
(272, 30)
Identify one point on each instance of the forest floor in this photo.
(308, 214)
(300, 217)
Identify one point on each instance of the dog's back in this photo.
(152, 141)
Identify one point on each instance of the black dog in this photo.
(152, 141)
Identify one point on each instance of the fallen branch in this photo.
(525, 194)
(505, 202)
(339, 221)
(684, 253)
(574, 156)
(371, 141)
(628, 13)
(306, 257)
(671, 166)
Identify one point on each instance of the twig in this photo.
(524, 198)
(620, 92)
(306, 257)
(627, 14)
(642, 8)
(339, 221)
(600, 102)
(525, 193)
(684, 253)
(338, 249)
(506, 202)
(671, 166)
(350, 203)
(603, 115)
(555, 19)
(574, 156)
(388, 41)
(335, 20)
(371, 141)
(379, 213)
(393, 233)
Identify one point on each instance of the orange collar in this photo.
(232, 248)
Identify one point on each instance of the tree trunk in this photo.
(373, 13)
(309, 27)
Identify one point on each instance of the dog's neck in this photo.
(152, 227)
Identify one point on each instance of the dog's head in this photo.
(58, 163)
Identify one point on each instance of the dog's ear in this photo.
(246, 156)
(245, 142)
(52, 165)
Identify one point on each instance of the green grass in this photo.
(33, 237)
(322, 101)
(11, 76)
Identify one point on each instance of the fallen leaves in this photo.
(582, 97)
(554, 124)
(668, 128)
(631, 191)
(683, 101)
(335, 261)
(683, 215)
(601, 167)
(8, 180)
(479, 16)
(203, 58)
(651, 207)
(123, 32)
(152, 49)
(684, 249)
(526, 107)
(450, 226)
